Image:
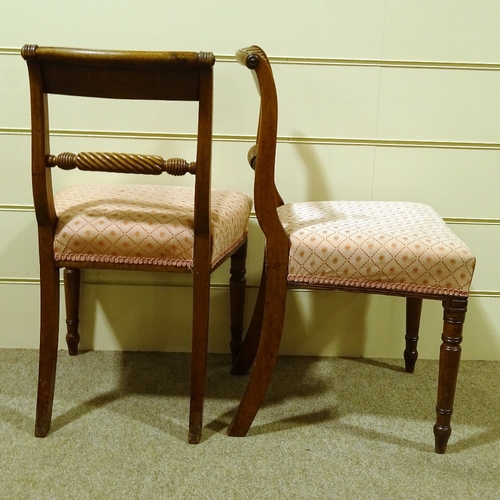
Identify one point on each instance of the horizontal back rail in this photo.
(120, 74)
(121, 163)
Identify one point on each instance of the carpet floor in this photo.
(330, 428)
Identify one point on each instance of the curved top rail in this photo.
(124, 58)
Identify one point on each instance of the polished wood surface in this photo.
(237, 288)
(449, 360)
(121, 163)
(262, 340)
(177, 76)
(72, 297)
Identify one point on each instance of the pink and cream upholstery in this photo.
(143, 224)
(375, 244)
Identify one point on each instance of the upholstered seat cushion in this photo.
(140, 224)
(386, 245)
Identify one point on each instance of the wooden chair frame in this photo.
(177, 76)
(263, 337)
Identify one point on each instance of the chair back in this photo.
(176, 76)
(262, 156)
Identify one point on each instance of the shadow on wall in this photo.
(136, 317)
(158, 318)
(18, 245)
(479, 331)
(325, 323)
(307, 168)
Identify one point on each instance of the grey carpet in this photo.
(330, 428)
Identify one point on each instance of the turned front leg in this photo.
(72, 299)
(449, 360)
(413, 313)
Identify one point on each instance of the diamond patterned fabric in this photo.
(384, 245)
(140, 224)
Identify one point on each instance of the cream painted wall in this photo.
(379, 99)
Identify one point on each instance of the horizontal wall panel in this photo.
(14, 110)
(455, 182)
(230, 168)
(373, 326)
(79, 113)
(483, 240)
(324, 101)
(327, 101)
(15, 167)
(20, 316)
(236, 99)
(142, 318)
(482, 329)
(442, 31)
(354, 29)
(387, 317)
(439, 105)
(370, 102)
(18, 245)
(313, 100)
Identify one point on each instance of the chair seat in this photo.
(143, 224)
(386, 245)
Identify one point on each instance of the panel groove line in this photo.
(213, 286)
(449, 220)
(316, 141)
(131, 282)
(336, 61)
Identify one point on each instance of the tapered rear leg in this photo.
(237, 288)
(72, 296)
(248, 350)
(413, 313)
(449, 360)
(267, 352)
(49, 336)
(201, 305)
